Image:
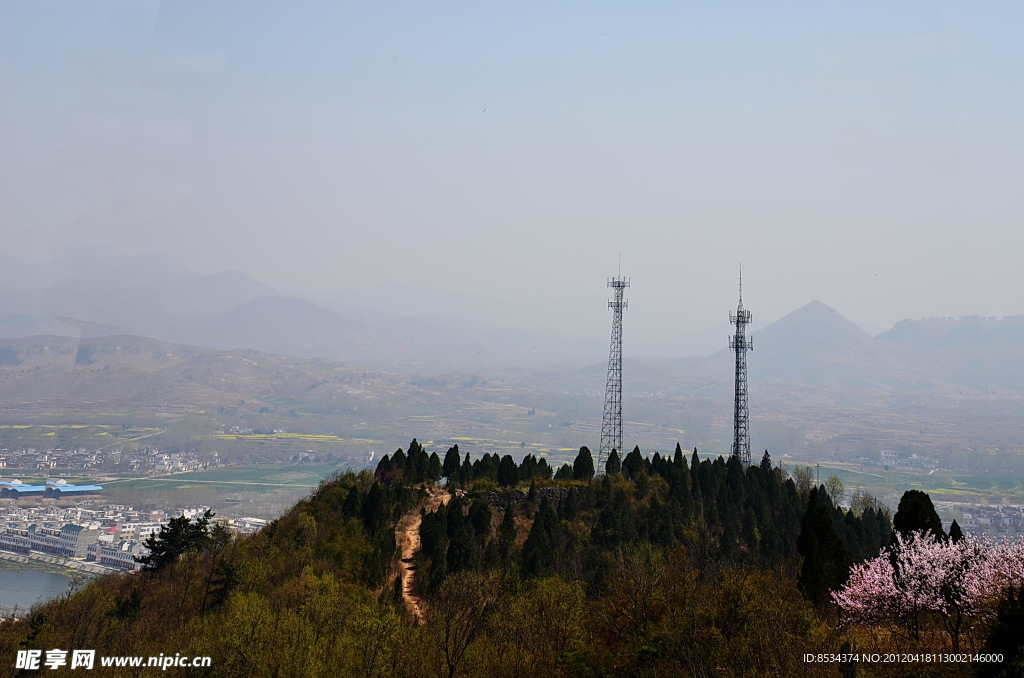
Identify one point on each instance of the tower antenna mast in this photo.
(741, 416)
(611, 423)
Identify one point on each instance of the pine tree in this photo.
(506, 534)
(583, 466)
(176, 538)
(353, 503)
(433, 473)
(450, 467)
(613, 466)
(375, 510)
(383, 472)
(955, 533)
(538, 558)
(544, 470)
(508, 472)
(916, 512)
(480, 518)
(826, 561)
(634, 464)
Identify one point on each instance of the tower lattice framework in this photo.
(741, 416)
(611, 423)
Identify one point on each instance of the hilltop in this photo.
(574, 577)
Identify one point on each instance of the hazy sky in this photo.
(870, 155)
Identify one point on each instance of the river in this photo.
(24, 588)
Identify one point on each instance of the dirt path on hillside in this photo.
(409, 541)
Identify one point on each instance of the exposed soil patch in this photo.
(409, 542)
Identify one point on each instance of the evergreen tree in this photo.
(398, 460)
(544, 470)
(528, 469)
(659, 465)
(451, 466)
(415, 464)
(538, 558)
(916, 512)
(583, 466)
(634, 464)
(455, 516)
(434, 532)
(353, 503)
(506, 534)
(375, 510)
(613, 465)
(480, 518)
(567, 508)
(955, 533)
(508, 472)
(826, 562)
(383, 472)
(176, 538)
(462, 549)
(433, 473)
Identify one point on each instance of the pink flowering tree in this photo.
(920, 578)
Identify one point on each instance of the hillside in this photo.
(125, 374)
(556, 578)
(980, 353)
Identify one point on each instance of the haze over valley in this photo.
(139, 341)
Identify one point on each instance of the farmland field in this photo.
(262, 491)
(954, 494)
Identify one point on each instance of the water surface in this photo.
(24, 588)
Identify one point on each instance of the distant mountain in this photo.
(144, 294)
(114, 271)
(815, 344)
(982, 353)
(194, 295)
(151, 295)
(300, 328)
(150, 306)
(287, 326)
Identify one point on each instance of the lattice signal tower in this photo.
(741, 344)
(611, 424)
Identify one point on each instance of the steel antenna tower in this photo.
(611, 424)
(741, 344)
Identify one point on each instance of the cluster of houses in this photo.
(109, 536)
(994, 521)
(146, 459)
